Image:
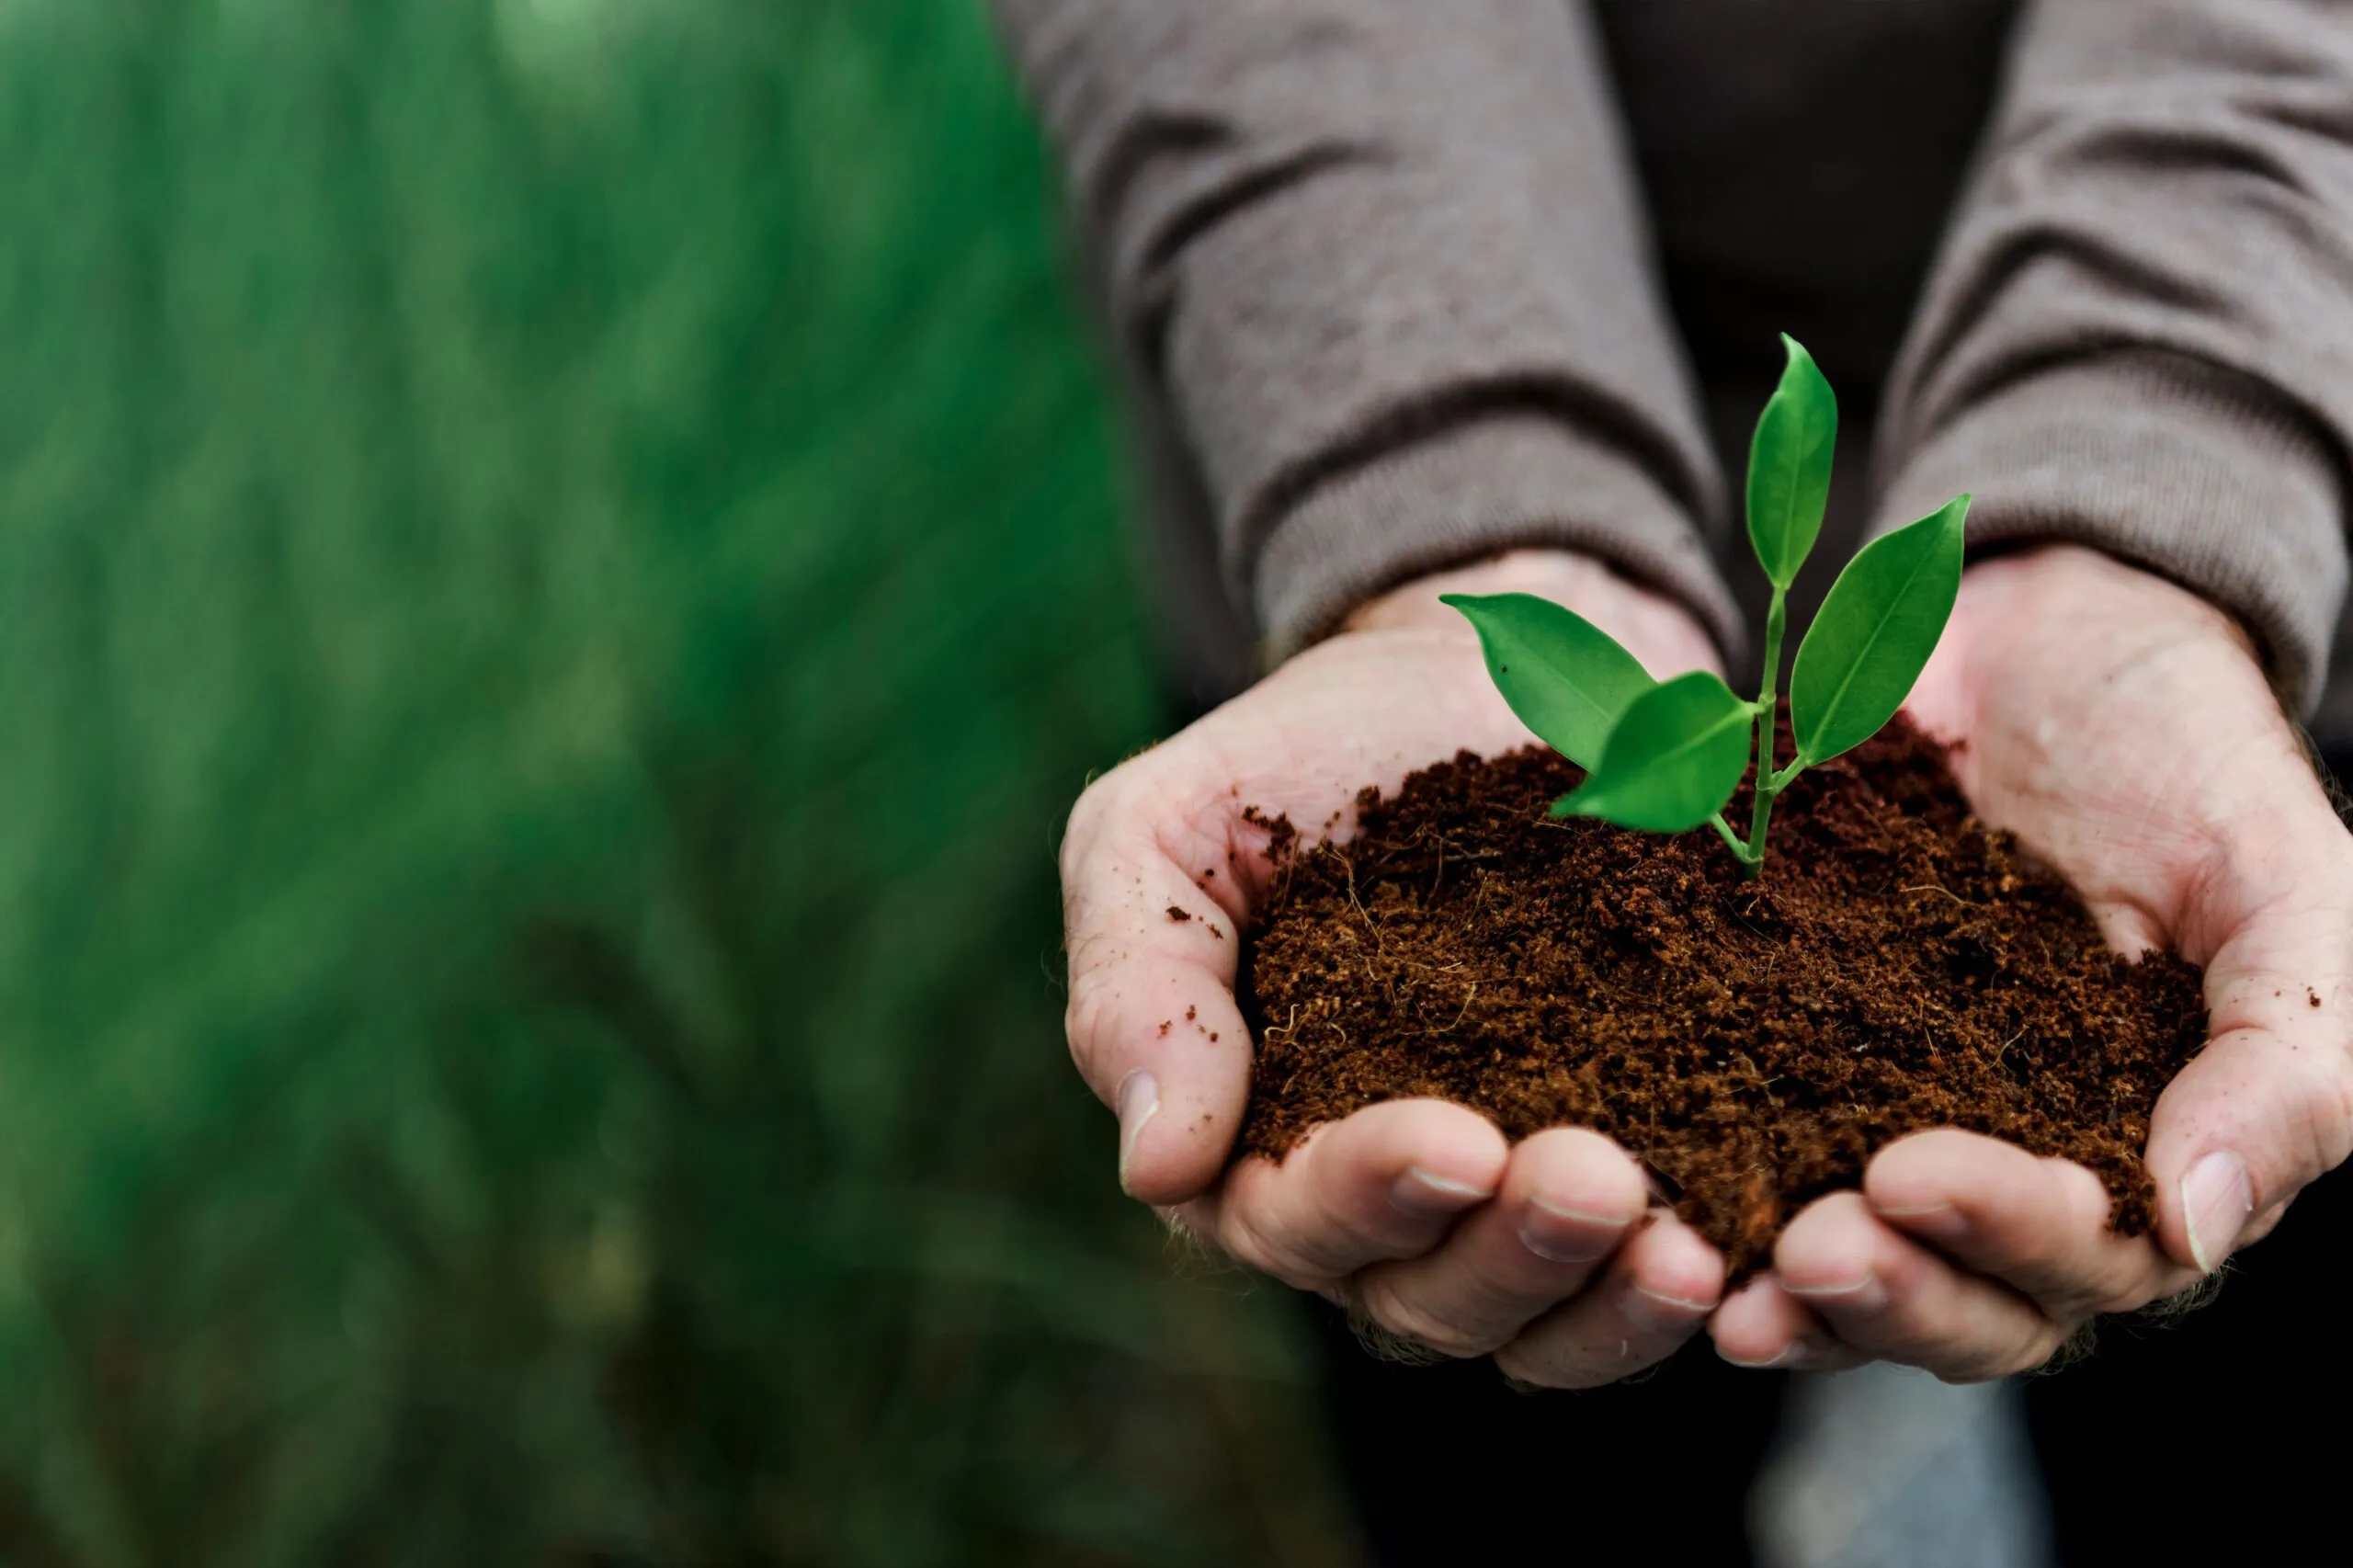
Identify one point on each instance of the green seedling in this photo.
(1666, 757)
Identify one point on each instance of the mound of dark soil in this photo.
(1899, 967)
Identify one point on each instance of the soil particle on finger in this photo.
(1899, 967)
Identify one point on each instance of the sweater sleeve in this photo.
(2139, 333)
(1383, 263)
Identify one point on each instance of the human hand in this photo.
(1417, 1211)
(2122, 728)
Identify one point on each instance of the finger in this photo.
(1384, 1182)
(1569, 1197)
(1892, 1297)
(1658, 1289)
(2267, 1106)
(1764, 1328)
(1153, 1024)
(2038, 1226)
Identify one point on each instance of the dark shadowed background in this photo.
(560, 564)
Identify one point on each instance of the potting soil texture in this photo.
(1900, 966)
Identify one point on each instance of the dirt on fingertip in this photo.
(1899, 967)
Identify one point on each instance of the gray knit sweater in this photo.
(1409, 281)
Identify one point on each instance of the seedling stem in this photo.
(1769, 780)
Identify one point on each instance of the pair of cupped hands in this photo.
(2121, 727)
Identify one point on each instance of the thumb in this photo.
(1153, 1023)
(2267, 1106)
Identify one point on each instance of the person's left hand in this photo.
(2122, 729)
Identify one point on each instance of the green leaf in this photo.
(1564, 676)
(1674, 759)
(1875, 633)
(1788, 466)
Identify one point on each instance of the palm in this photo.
(1417, 1210)
(2121, 729)
(1363, 709)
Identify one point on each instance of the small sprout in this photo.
(1668, 757)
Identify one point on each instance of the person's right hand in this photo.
(1417, 1212)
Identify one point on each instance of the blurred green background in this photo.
(559, 567)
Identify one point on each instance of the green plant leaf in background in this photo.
(1566, 679)
(1875, 633)
(1672, 761)
(1788, 466)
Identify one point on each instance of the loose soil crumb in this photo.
(1900, 967)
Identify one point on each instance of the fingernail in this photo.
(1864, 1295)
(2216, 1199)
(1790, 1358)
(1658, 1313)
(1561, 1234)
(1431, 1197)
(1137, 1102)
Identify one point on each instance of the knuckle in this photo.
(1924, 1325)
(1409, 1318)
(1103, 831)
(2132, 1277)
(1970, 1371)
(1524, 1364)
(1990, 1364)
(1905, 1331)
(2088, 1300)
(1987, 1366)
(1549, 1362)
(2046, 1342)
(1090, 1021)
(1239, 1239)
(1097, 806)
(2041, 1272)
(1243, 1238)
(1958, 1352)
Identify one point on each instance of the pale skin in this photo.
(2119, 725)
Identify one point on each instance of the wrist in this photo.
(2051, 587)
(2061, 640)
(1656, 629)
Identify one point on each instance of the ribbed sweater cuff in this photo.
(2168, 462)
(1507, 483)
